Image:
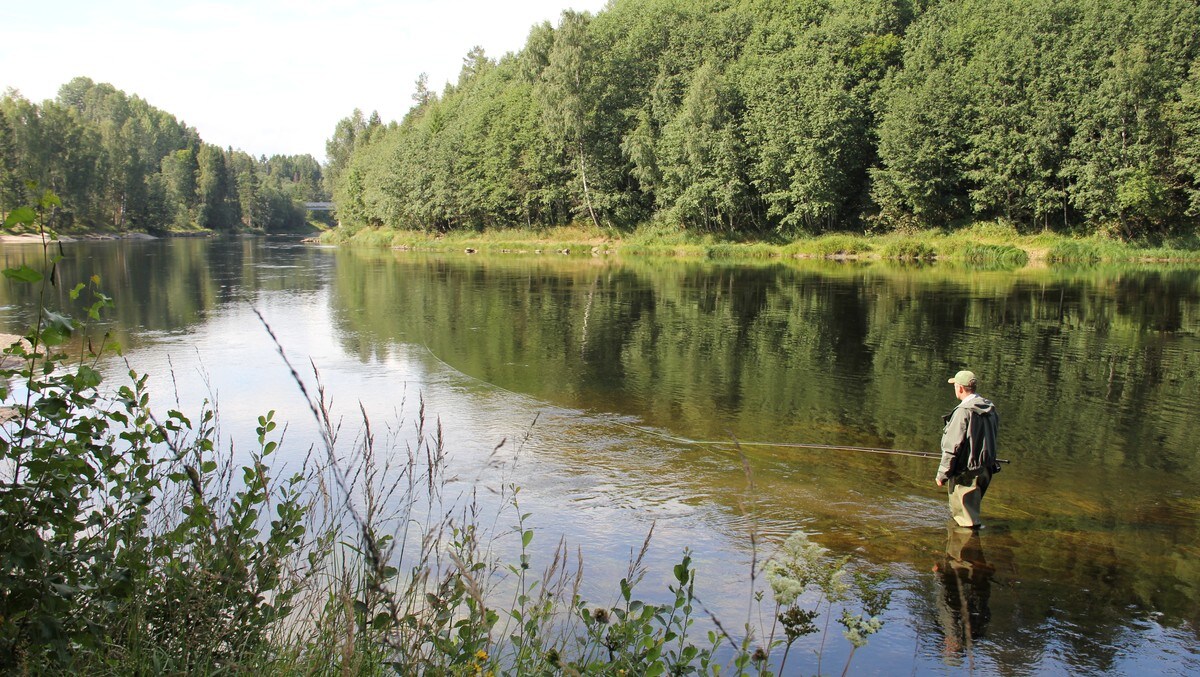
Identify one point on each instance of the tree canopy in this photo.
(803, 116)
(118, 162)
(736, 117)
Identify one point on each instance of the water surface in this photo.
(608, 372)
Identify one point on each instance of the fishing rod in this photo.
(735, 443)
(794, 445)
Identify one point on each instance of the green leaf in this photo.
(64, 589)
(23, 273)
(21, 215)
(681, 572)
(60, 322)
(87, 377)
(53, 336)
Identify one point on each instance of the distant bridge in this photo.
(319, 206)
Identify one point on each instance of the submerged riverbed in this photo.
(608, 373)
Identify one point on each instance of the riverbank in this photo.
(989, 243)
(37, 238)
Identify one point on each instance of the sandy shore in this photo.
(34, 238)
(8, 362)
(7, 340)
(29, 238)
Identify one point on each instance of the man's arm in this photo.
(952, 438)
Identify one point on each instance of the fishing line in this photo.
(789, 445)
(465, 375)
(723, 443)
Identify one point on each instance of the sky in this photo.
(263, 76)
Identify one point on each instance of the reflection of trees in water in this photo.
(1040, 598)
(1141, 298)
(709, 350)
(166, 285)
(845, 354)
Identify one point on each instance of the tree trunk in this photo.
(587, 198)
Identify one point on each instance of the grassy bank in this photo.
(985, 243)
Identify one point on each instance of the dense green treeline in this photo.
(761, 116)
(119, 163)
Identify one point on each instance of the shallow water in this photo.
(600, 376)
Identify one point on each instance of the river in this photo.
(617, 386)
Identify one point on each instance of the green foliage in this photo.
(640, 638)
(834, 245)
(740, 251)
(120, 542)
(802, 568)
(649, 107)
(803, 118)
(1043, 113)
(703, 184)
(1077, 251)
(11, 185)
(808, 78)
(1184, 118)
(120, 164)
(908, 248)
(1001, 255)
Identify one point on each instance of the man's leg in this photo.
(966, 494)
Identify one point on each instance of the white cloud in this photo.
(265, 76)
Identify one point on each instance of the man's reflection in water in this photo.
(966, 580)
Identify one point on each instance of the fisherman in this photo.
(968, 450)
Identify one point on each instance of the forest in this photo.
(733, 118)
(119, 164)
(767, 118)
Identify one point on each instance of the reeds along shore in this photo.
(985, 243)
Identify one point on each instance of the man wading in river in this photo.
(968, 450)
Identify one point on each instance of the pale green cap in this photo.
(963, 378)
